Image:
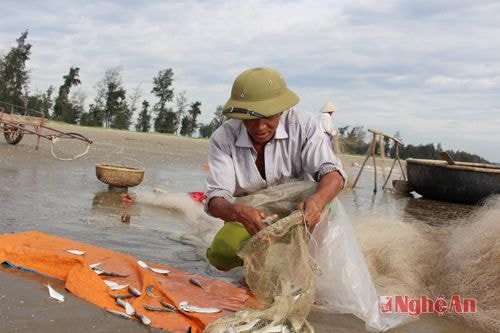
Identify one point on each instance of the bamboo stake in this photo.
(372, 153)
(374, 145)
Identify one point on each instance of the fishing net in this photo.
(278, 270)
(290, 271)
(469, 266)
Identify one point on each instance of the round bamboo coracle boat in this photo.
(462, 182)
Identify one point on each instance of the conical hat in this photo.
(329, 107)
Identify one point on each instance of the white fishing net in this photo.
(279, 273)
(290, 272)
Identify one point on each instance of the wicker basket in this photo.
(118, 175)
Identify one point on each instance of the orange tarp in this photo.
(47, 254)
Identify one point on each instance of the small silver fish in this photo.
(105, 273)
(168, 306)
(119, 314)
(156, 308)
(274, 329)
(297, 291)
(54, 294)
(110, 283)
(144, 320)
(94, 265)
(129, 309)
(114, 285)
(150, 293)
(196, 283)
(134, 291)
(118, 286)
(77, 252)
(121, 296)
(160, 270)
(185, 306)
(247, 326)
(142, 264)
(113, 274)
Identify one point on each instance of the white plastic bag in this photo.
(343, 282)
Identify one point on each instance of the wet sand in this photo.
(26, 307)
(66, 199)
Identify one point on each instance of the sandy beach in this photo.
(40, 192)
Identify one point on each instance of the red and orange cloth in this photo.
(47, 254)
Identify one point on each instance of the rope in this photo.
(55, 139)
(309, 236)
(119, 151)
(132, 159)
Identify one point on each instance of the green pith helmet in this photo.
(257, 93)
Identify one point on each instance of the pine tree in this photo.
(189, 123)
(207, 130)
(93, 117)
(166, 119)
(144, 120)
(14, 77)
(181, 104)
(63, 108)
(185, 126)
(110, 102)
(42, 103)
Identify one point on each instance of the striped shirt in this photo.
(298, 151)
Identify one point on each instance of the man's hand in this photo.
(250, 217)
(312, 211)
(328, 187)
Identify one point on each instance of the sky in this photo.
(426, 69)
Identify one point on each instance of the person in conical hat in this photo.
(329, 107)
(265, 142)
(327, 121)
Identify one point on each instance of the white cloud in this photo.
(442, 81)
(427, 68)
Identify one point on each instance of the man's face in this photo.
(262, 130)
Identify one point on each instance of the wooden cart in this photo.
(15, 126)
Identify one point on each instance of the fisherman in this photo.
(264, 143)
(327, 122)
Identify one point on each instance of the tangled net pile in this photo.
(280, 274)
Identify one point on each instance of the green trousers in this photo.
(222, 253)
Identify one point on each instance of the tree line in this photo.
(113, 106)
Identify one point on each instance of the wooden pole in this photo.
(390, 172)
(372, 152)
(382, 153)
(360, 170)
(374, 145)
(400, 165)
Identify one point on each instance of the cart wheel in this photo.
(13, 135)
